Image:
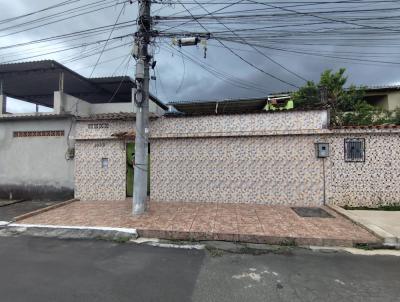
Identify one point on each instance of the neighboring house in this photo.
(37, 150)
(387, 97)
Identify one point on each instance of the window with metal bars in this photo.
(354, 150)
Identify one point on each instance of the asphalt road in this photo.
(42, 269)
(8, 212)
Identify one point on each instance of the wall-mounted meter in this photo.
(322, 150)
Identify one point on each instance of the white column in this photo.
(58, 104)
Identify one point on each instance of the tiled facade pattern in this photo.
(92, 180)
(102, 129)
(240, 159)
(370, 183)
(239, 124)
(279, 170)
(93, 144)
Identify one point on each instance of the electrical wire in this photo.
(109, 37)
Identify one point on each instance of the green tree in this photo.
(307, 97)
(347, 105)
(395, 117)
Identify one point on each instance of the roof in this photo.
(33, 116)
(221, 106)
(383, 88)
(125, 134)
(36, 82)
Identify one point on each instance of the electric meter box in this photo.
(322, 150)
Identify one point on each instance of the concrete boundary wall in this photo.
(265, 163)
(36, 166)
(280, 169)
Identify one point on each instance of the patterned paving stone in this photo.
(201, 221)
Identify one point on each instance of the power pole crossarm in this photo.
(141, 98)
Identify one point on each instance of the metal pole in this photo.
(3, 99)
(142, 112)
(324, 176)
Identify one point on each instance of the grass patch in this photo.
(364, 246)
(214, 252)
(288, 242)
(122, 239)
(379, 208)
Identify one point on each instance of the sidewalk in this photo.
(385, 224)
(207, 221)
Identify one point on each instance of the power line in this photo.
(58, 5)
(56, 21)
(240, 57)
(230, 79)
(323, 18)
(256, 49)
(109, 36)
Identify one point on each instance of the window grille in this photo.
(98, 126)
(38, 133)
(354, 150)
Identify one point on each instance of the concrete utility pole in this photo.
(141, 97)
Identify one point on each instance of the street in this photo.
(42, 269)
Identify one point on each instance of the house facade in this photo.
(35, 157)
(37, 149)
(264, 158)
(223, 151)
(386, 97)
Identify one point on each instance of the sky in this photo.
(280, 52)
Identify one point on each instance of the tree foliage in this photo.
(347, 105)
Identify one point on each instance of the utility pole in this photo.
(141, 98)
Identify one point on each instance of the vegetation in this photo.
(390, 207)
(347, 105)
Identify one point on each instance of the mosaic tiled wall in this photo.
(247, 167)
(94, 181)
(94, 143)
(275, 170)
(239, 124)
(370, 183)
(272, 169)
(101, 129)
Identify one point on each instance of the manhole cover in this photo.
(311, 212)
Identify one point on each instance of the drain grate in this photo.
(311, 212)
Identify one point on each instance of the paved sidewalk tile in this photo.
(206, 221)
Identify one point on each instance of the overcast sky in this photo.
(178, 78)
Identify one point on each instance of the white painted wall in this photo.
(65, 103)
(35, 165)
(111, 108)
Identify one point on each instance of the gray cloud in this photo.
(197, 83)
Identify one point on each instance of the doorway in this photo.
(130, 160)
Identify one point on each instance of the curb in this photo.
(3, 224)
(42, 210)
(11, 202)
(256, 239)
(71, 232)
(387, 238)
